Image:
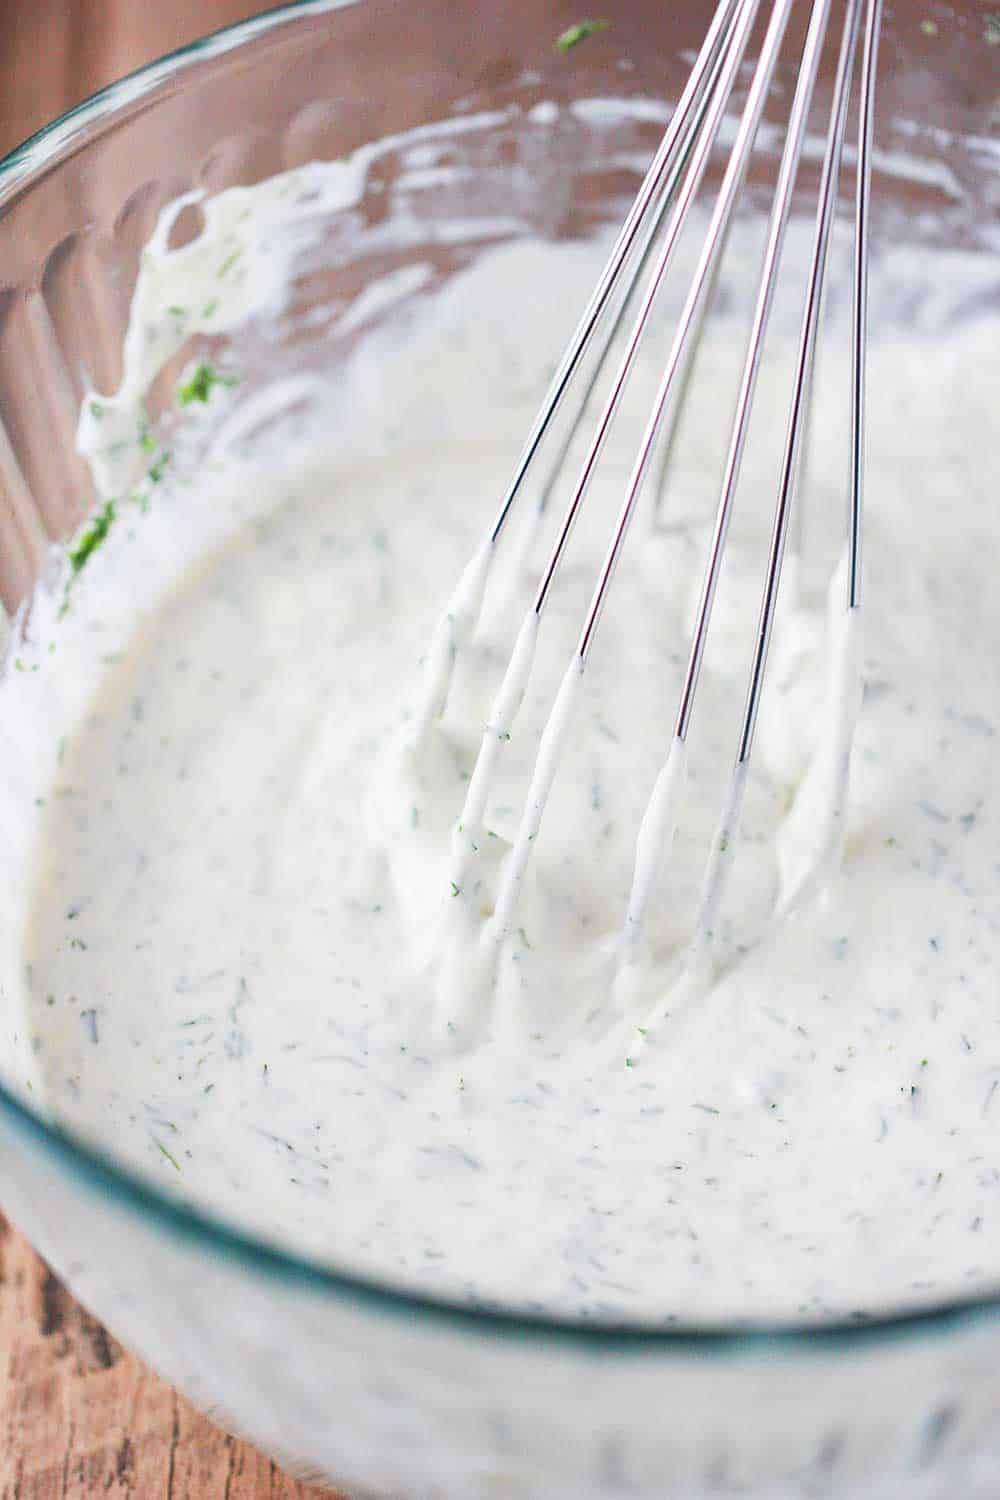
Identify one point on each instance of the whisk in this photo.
(647, 240)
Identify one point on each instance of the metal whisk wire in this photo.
(654, 185)
(664, 202)
(720, 857)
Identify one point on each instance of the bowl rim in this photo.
(102, 1174)
(44, 146)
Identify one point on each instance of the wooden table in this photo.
(80, 1417)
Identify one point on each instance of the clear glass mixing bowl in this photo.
(380, 1392)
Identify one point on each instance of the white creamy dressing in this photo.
(262, 954)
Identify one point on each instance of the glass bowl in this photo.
(363, 1386)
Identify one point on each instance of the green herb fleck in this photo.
(630, 1062)
(201, 384)
(147, 441)
(96, 410)
(228, 263)
(177, 312)
(210, 308)
(991, 29)
(92, 538)
(574, 35)
(456, 890)
(171, 1159)
(524, 937)
(157, 470)
(929, 28)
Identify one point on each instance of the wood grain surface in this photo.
(80, 1417)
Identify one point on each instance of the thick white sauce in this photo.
(255, 954)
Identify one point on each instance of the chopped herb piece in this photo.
(228, 263)
(574, 35)
(201, 384)
(147, 441)
(991, 30)
(524, 937)
(210, 308)
(96, 410)
(177, 312)
(929, 28)
(157, 470)
(456, 890)
(92, 537)
(630, 1062)
(171, 1159)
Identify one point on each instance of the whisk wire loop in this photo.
(641, 257)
